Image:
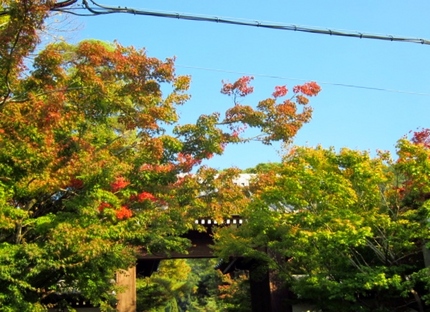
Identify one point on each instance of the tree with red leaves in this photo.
(422, 137)
(88, 166)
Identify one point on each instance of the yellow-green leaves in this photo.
(342, 226)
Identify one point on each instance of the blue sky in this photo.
(356, 118)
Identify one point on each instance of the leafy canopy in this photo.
(88, 167)
(344, 230)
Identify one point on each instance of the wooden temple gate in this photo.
(265, 295)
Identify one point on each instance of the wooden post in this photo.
(260, 288)
(279, 294)
(127, 298)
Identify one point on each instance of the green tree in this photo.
(234, 292)
(344, 230)
(166, 287)
(189, 285)
(206, 280)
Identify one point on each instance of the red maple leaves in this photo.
(280, 91)
(309, 88)
(123, 213)
(277, 121)
(141, 197)
(422, 137)
(76, 183)
(119, 184)
(240, 87)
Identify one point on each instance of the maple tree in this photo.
(90, 176)
(89, 173)
(344, 230)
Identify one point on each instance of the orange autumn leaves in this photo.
(97, 111)
(119, 184)
(124, 212)
(92, 146)
(278, 121)
(240, 87)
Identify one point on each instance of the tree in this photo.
(188, 285)
(88, 170)
(165, 288)
(77, 137)
(344, 230)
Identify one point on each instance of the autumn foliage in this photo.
(91, 148)
(278, 121)
(95, 169)
(422, 137)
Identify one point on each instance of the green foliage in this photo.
(343, 230)
(182, 285)
(234, 292)
(263, 168)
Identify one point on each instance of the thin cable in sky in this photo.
(301, 79)
(98, 9)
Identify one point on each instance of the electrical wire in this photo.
(102, 10)
(304, 80)
(98, 9)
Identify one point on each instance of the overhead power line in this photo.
(337, 84)
(98, 9)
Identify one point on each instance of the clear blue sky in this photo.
(343, 117)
